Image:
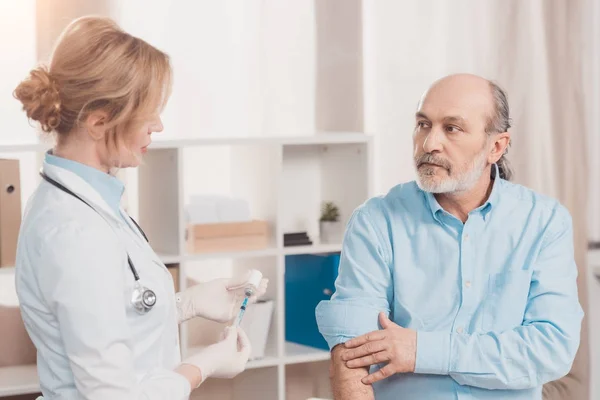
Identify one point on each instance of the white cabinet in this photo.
(285, 180)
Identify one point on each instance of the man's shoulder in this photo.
(524, 196)
(402, 197)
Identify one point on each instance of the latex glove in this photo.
(218, 300)
(224, 359)
(237, 364)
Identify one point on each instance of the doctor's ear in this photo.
(95, 124)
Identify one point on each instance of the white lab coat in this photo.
(75, 286)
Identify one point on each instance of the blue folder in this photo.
(309, 278)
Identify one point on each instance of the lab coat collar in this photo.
(80, 187)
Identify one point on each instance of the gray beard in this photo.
(464, 181)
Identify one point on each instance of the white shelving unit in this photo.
(285, 180)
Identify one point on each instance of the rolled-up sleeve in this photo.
(364, 284)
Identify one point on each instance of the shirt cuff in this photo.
(433, 353)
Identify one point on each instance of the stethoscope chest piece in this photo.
(142, 298)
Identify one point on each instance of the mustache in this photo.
(428, 158)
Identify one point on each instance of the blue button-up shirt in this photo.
(494, 300)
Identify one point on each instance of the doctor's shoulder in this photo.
(55, 229)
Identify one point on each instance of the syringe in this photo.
(238, 320)
(254, 282)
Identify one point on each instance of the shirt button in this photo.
(468, 284)
(466, 236)
(459, 329)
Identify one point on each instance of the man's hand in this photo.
(394, 345)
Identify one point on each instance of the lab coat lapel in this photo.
(83, 189)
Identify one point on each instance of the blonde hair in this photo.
(95, 65)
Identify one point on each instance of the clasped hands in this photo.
(393, 345)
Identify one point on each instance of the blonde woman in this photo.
(98, 303)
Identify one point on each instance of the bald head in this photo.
(469, 88)
(461, 92)
(453, 135)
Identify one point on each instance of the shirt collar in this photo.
(485, 208)
(109, 187)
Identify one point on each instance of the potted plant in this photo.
(331, 230)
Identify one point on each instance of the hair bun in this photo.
(40, 97)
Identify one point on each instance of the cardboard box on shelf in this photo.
(229, 229)
(230, 236)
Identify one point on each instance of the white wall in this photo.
(241, 67)
(18, 49)
(397, 72)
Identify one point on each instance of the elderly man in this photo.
(460, 285)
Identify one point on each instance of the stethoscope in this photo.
(142, 298)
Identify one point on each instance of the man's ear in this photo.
(95, 124)
(500, 143)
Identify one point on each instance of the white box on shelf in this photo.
(256, 323)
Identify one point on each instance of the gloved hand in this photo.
(224, 359)
(218, 300)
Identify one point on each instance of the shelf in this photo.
(284, 179)
(314, 249)
(313, 139)
(169, 258)
(271, 251)
(7, 270)
(267, 361)
(297, 353)
(267, 252)
(262, 363)
(165, 258)
(22, 379)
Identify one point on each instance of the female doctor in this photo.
(98, 303)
